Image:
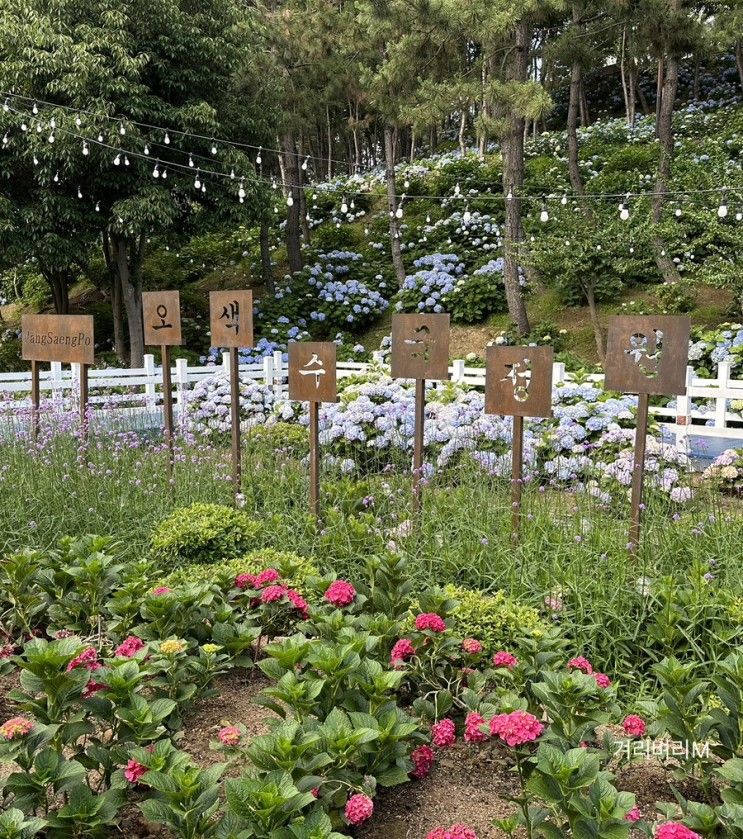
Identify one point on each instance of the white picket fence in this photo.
(140, 390)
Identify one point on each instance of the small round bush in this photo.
(294, 569)
(494, 619)
(203, 534)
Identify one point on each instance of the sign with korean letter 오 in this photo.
(231, 316)
(161, 311)
(518, 381)
(65, 338)
(648, 354)
(312, 373)
(420, 347)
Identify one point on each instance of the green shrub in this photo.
(282, 437)
(294, 569)
(203, 534)
(331, 238)
(494, 619)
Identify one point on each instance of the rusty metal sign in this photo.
(161, 311)
(518, 381)
(648, 354)
(231, 316)
(312, 371)
(65, 338)
(420, 346)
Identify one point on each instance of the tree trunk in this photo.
(659, 84)
(389, 172)
(632, 111)
(512, 148)
(330, 143)
(573, 106)
(128, 268)
(585, 117)
(643, 99)
(598, 332)
(739, 60)
(117, 305)
(293, 229)
(664, 130)
(462, 127)
(59, 283)
(266, 269)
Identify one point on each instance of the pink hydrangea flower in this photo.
(273, 594)
(430, 621)
(675, 830)
(437, 833)
(243, 581)
(554, 604)
(340, 593)
(423, 759)
(160, 590)
(88, 659)
(472, 732)
(15, 727)
(602, 680)
(315, 792)
(444, 734)
(516, 728)
(229, 735)
(634, 815)
(580, 663)
(6, 650)
(129, 647)
(634, 726)
(270, 575)
(505, 659)
(91, 688)
(134, 771)
(472, 646)
(402, 650)
(299, 603)
(456, 831)
(358, 808)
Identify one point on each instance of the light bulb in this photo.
(51, 138)
(428, 219)
(117, 160)
(407, 184)
(190, 161)
(166, 139)
(467, 216)
(739, 216)
(79, 193)
(352, 204)
(564, 200)
(39, 128)
(122, 130)
(86, 150)
(97, 206)
(126, 160)
(457, 190)
(35, 108)
(241, 191)
(24, 127)
(677, 212)
(258, 158)
(290, 200)
(6, 107)
(544, 215)
(623, 212)
(631, 250)
(6, 140)
(36, 161)
(164, 174)
(78, 121)
(366, 231)
(232, 174)
(203, 188)
(509, 197)
(146, 148)
(197, 181)
(100, 137)
(722, 210)
(344, 207)
(304, 165)
(307, 217)
(214, 147)
(52, 123)
(398, 212)
(156, 171)
(56, 177)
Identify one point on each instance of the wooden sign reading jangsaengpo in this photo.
(519, 381)
(231, 316)
(648, 354)
(65, 338)
(161, 311)
(312, 371)
(420, 346)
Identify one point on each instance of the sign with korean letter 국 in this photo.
(648, 354)
(231, 318)
(65, 338)
(420, 347)
(312, 373)
(519, 381)
(161, 311)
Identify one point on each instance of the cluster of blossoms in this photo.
(456, 831)
(208, 408)
(359, 808)
(15, 727)
(634, 726)
(585, 666)
(134, 771)
(230, 735)
(516, 728)
(505, 659)
(726, 470)
(257, 581)
(173, 646)
(468, 231)
(430, 621)
(423, 759)
(402, 651)
(129, 647)
(279, 592)
(341, 300)
(429, 288)
(88, 659)
(724, 343)
(674, 830)
(340, 593)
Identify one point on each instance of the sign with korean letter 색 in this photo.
(648, 354)
(231, 317)
(312, 373)
(161, 311)
(519, 381)
(65, 338)
(420, 346)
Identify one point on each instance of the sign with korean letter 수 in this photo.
(162, 318)
(65, 338)
(231, 318)
(312, 376)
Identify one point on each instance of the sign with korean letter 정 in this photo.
(312, 371)
(161, 311)
(231, 318)
(65, 338)
(420, 347)
(519, 381)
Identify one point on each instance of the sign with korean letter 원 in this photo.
(648, 354)
(161, 311)
(65, 338)
(519, 381)
(231, 318)
(312, 375)
(420, 347)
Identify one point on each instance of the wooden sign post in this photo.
(420, 351)
(646, 355)
(518, 383)
(161, 311)
(313, 379)
(65, 338)
(231, 317)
